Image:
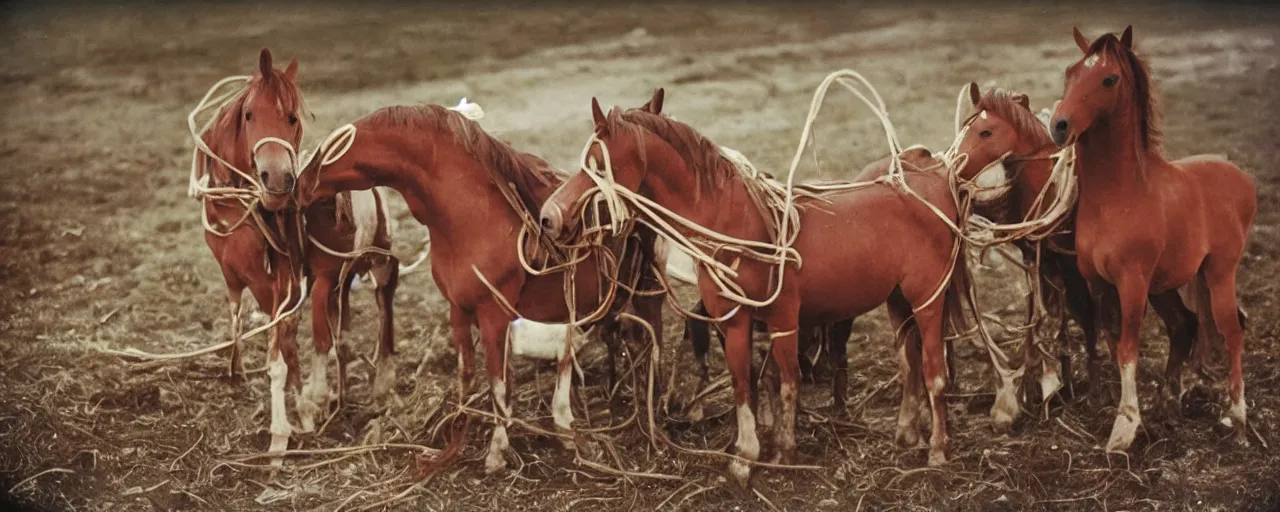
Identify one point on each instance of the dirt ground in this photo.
(101, 248)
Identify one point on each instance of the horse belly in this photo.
(841, 284)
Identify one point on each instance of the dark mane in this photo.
(222, 136)
(1002, 104)
(1138, 73)
(528, 172)
(701, 155)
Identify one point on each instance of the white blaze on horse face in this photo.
(1092, 60)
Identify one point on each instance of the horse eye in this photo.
(293, 119)
(985, 134)
(1110, 80)
(248, 116)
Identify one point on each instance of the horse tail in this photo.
(450, 452)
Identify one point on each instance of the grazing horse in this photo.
(265, 252)
(473, 192)
(844, 273)
(1008, 147)
(1144, 225)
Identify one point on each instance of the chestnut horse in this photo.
(264, 251)
(1144, 225)
(1006, 144)
(844, 275)
(452, 174)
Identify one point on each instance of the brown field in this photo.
(101, 248)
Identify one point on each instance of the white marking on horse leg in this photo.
(498, 445)
(907, 435)
(938, 439)
(748, 445)
(1006, 408)
(315, 393)
(560, 401)
(280, 429)
(787, 427)
(1127, 416)
(1236, 412)
(1050, 381)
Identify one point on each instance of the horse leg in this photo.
(1081, 306)
(1030, 353)
(698, 333)
(386, 275)
(907, 338)
(933, 361)
(282, 368)
(1220, 278)
(315, 394)
(737, 330)
(494, 324)
(784, 337)
(561, 400)
(236, 365)
(460, 322)
(1051, 372)
(235, 291)
(837, 354)
(1106, 310)
(1180, 326)
(1131, 289)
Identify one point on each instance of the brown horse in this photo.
(452, 174)
(1145, 225)
(1007, 141)
(264, 251)
(830, 340)
(843, 276)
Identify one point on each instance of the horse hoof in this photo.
(1122, 433)
(907, 437)
(741, 473)
(937, 457)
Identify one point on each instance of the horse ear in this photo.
(291, 72)
(1126, 38)
(597, 115)
(1080, 40)
(655, 104)
(264, 62)
(1023, 100)
(975, 95)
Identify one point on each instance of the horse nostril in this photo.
(548, 225)
(289, 181)
(263, 176)
(1061, 126)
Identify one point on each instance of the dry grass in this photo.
(101, 248)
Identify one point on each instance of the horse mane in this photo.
(1001, 103)
(222, 135)
(526, 171)
(1137, 72)
(700, 154)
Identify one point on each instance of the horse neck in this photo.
(1111, 162)
(1032, 170)
(728, 209)
(446, 189)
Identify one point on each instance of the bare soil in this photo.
(100, 247)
